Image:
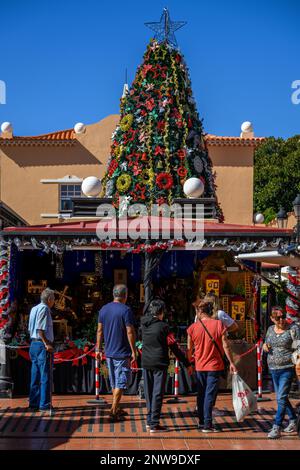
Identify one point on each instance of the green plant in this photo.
(239, 289)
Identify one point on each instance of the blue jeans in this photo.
(39, 395)
(207, 387)
(282, 380)
(119, 372)
(154, 383)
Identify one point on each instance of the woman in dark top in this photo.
(279, 346)
(157, 339)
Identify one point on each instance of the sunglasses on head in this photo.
(279, 317)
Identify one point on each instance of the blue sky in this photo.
(64, 61)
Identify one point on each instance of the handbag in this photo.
(226, 363)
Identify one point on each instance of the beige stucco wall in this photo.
(233, 166)
(23, 167)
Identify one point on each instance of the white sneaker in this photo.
(292, 427)
(275, 432)
(217, 412)
(210, 429)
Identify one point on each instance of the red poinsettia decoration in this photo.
(136, 170)
(161, 126)
(178, 58)
(159, 150)
(150, 104)
(146, 69)
(164, 181)
(176, 114)
(138, 193)
(112, 167)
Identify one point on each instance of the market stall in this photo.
(82, 270)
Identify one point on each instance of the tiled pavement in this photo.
(75, 424)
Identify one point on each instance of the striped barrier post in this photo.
(176, 399)
(50, 357)
(97, 400)
(259, 392)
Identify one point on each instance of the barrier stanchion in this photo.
(97, 400)
(260, 391)
(51, 380)
(176, 399)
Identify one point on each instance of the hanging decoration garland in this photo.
(4, 277)
(59, 267)
(293, 286)
(99, 264)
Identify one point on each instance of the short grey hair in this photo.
(47, 294)
(119, 291)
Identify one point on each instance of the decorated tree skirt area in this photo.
(83, 282)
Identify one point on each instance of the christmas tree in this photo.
(159, 142)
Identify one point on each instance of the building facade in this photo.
(40, 174)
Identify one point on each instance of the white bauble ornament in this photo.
(258, 218)
(193, 187)
(198, 165)
(91, 186)
(247, 127)
(6, 127)
(79, 128)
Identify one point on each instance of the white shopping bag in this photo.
(243, 399)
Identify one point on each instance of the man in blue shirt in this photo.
(41, 333)
(115, 324)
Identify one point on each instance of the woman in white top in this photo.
(218, 314)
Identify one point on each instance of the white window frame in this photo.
(62, 211)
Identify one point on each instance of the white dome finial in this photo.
(193, 187)
(91, 186)
(6, 127)
(247, 129)
(79, 128)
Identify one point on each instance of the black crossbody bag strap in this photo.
(213, 340)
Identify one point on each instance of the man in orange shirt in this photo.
(207, 339)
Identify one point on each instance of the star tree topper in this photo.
(166, 28)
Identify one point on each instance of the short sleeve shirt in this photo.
(207, 356)
(280, 354)
(115, 317)
(225, 318)
(40, 318)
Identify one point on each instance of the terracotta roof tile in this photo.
(68, 134)
(236, 141)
